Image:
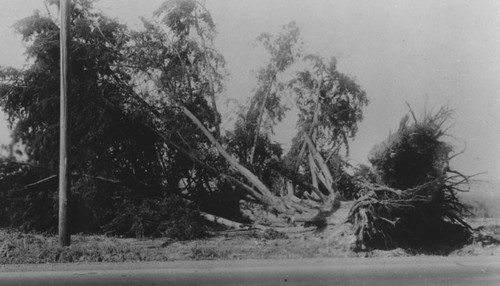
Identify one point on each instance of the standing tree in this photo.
(174, 66)
(111, 149)
(267, 99)
(330, 106)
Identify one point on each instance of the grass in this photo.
(16, 247)
(203, 252)
(335, 241)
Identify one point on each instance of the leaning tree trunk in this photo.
(297, 211)
(210, 80)
(267, 196)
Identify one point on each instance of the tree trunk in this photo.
(268, 197)
(210, 80)
(308, 208)
(315, 178)
(257, 127)
(223, 221)
(323, 167)
(312, 129)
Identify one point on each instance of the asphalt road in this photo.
(347, 271)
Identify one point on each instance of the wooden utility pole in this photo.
(64, 179)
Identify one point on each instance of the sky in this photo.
(426, 53)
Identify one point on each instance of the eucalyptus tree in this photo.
(110, 147)
(174, 66)
(330, 105)
(283, 51)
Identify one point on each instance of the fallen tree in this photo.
(333, 116)
(411, 199)
(147, 120)
(293, 208)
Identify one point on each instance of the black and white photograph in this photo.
(249, 142)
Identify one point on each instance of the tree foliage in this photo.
(329, 105)
(147, 150)
(175, 66)
(334, 98)
(267, 99)
(117, 160)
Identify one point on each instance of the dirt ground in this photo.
(336, 240)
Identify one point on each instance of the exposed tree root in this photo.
(412, 201)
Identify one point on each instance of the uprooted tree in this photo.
(330, 107)
(408, 199)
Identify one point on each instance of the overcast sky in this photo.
(439, 52)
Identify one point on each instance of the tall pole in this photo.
(64, 180)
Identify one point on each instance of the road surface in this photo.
(347, 271)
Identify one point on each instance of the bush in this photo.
(170, 217)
